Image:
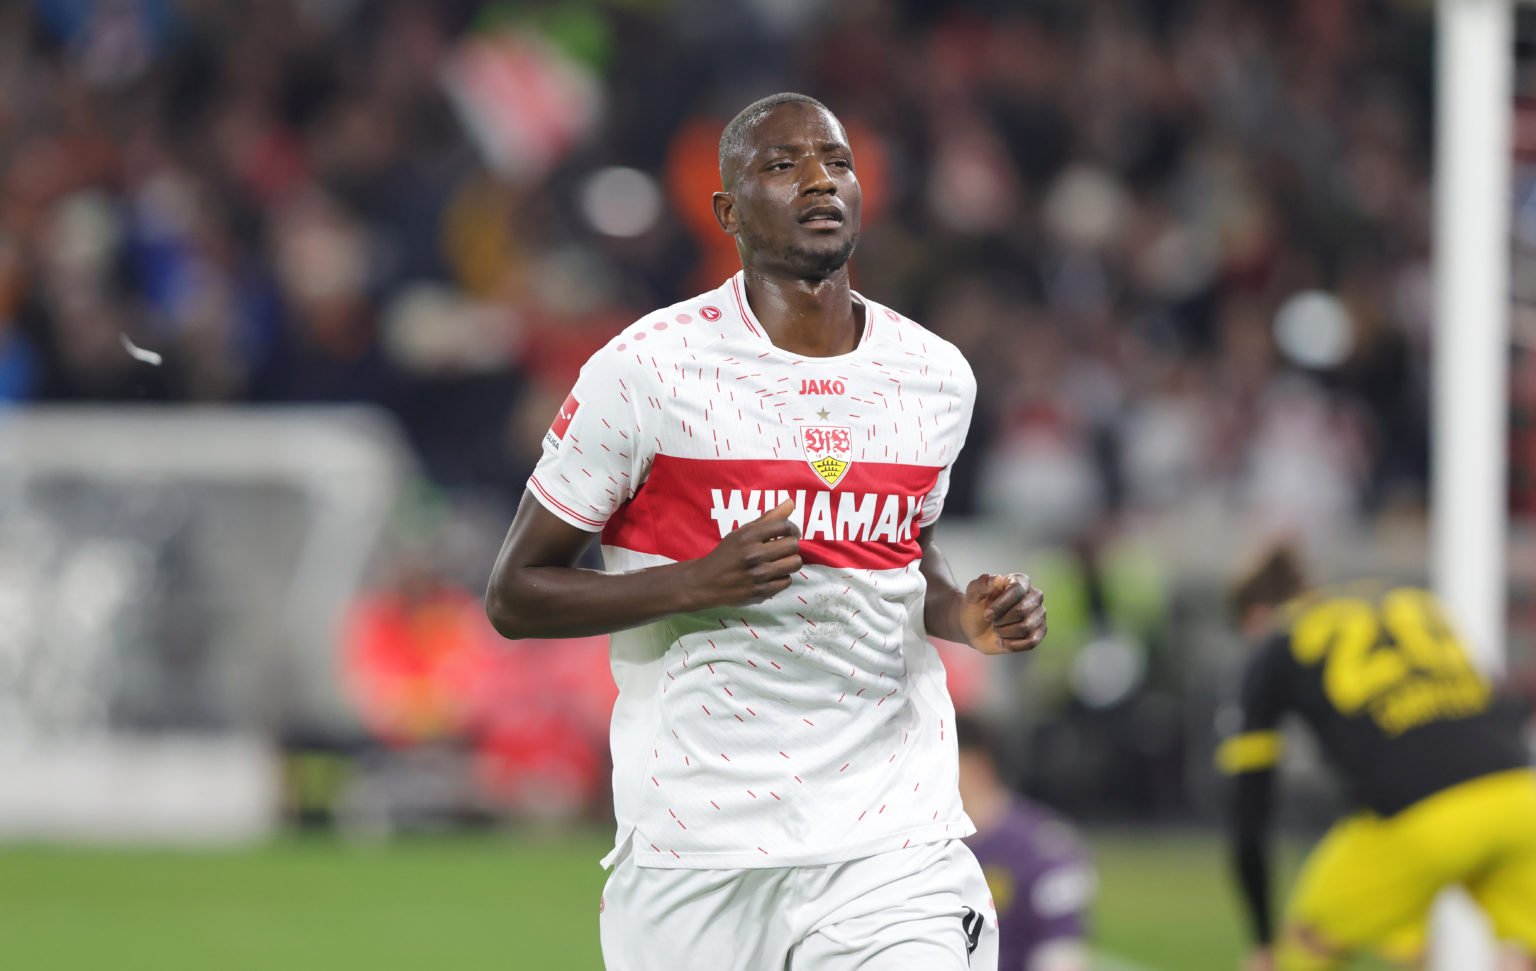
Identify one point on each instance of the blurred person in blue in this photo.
(1041, 877)
(1433, 764)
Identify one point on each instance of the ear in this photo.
(725, 211)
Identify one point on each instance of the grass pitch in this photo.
(474, 904)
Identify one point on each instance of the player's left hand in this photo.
(1003, 613)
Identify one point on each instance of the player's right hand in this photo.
(753, 562)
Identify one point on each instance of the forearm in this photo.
(1249, 849)
(1250, 860)
(994, 613)
(559, 601)
(537, 591)
(941, 605)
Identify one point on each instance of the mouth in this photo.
(822, 217)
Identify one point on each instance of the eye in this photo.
(841, 163)
(780, 166)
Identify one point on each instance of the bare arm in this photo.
(995, 613)
(536, 591)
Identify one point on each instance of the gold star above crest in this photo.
(822, 414)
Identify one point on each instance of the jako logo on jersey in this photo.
(821, 387)
(556, 433)
(853, 516)
(829, 450)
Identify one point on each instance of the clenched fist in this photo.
(1003, 614)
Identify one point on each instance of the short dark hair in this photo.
(733, 140)
(1274, 577)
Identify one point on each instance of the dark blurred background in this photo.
(1185, 244)
(291, 289)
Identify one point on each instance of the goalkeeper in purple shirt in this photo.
(1041, 879)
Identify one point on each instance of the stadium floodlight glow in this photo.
(619, 201)
(1313, 329)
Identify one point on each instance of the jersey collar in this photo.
(737, 287)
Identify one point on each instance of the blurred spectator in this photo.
(1041, 879)
(423, 668)
(1185, 242)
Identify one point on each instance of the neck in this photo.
(813, 318)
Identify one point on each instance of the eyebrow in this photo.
(825, 147)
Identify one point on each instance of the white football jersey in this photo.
(814, 727)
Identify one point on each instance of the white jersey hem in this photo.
(756, 859)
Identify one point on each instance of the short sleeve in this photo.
(933, 502)
(1254, 742)
(597, 450)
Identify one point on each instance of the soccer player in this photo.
(765, 464)
(1442, 784)
(1041, 879)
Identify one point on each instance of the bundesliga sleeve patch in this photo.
(556, 433)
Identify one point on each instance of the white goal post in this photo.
(171, 585)
(1474, 68)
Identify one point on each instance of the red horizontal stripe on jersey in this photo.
(675, 513)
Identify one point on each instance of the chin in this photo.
(820, 262)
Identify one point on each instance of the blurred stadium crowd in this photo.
(1184, 243)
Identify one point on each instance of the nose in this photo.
(819, 180)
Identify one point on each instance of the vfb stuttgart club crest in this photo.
(829, 450)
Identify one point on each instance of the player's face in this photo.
(796, 205)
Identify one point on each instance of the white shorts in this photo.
(925, 908)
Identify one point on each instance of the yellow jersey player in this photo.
(1441, 784)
